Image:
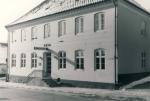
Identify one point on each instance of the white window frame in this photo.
(34, 32)
(99, 21)
(62, 60)
(79, 59)
(23, 60)
(79, 25)
(47, 30)
(23, 35)
(33, 60)
(99, 54)
(13, 62)
(61, 28)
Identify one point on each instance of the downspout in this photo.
(115, 2)
(8, 59)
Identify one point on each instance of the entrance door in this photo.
(47, 64)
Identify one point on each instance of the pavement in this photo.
(113, 95)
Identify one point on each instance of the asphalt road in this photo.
(15, 94)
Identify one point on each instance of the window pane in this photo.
(64, 61)
(97, 66)
(77, 61)
(96, 24)
(77, 66)
(97, 60)
(64, 65)
(60, 60)
(102, 52)
(82, 24)
(103, 66)
(102, 21)
(82, 61)
(82, 66)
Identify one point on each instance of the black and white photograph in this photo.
(74, 50)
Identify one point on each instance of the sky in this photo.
(10, 10)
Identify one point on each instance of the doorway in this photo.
(47, 64)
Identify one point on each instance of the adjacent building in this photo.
(3, 58)
(99, 43)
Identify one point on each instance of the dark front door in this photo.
(47, 64)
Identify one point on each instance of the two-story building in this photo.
(99, 43)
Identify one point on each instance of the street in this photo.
(14, 94)
(20, 92)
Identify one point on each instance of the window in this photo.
(34, 33)
(23, 60)
(12, 37)
(13, 63)
(79, 25)
(143, 59)
(33, 60)
(61, 28)
(46, 30)
(62, 59)
(143, 28)
(79, 59)
(99, 21)
(99, 59)
(23, 35)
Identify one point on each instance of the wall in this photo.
(130, 41)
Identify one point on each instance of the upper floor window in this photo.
(23, 60)
(46, 30)
(34, 60)
(62, 59)
(79, 25)
(143, 59)
(99, 21)
(12, 39)
(99, 59)
(12, 36)
(34, 32)
(79, 59)
(143, 28)
(61, 28)
(23, 35)
(13, 60)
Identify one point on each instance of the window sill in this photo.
(79, 69)
(96, 70)
(99, 31)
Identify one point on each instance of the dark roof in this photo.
(49, 7)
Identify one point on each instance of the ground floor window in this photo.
(62, 59)
(13, 62)
(79, 59)
(23, 60)
(143, 59)
(99, 55)
(34, 60)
